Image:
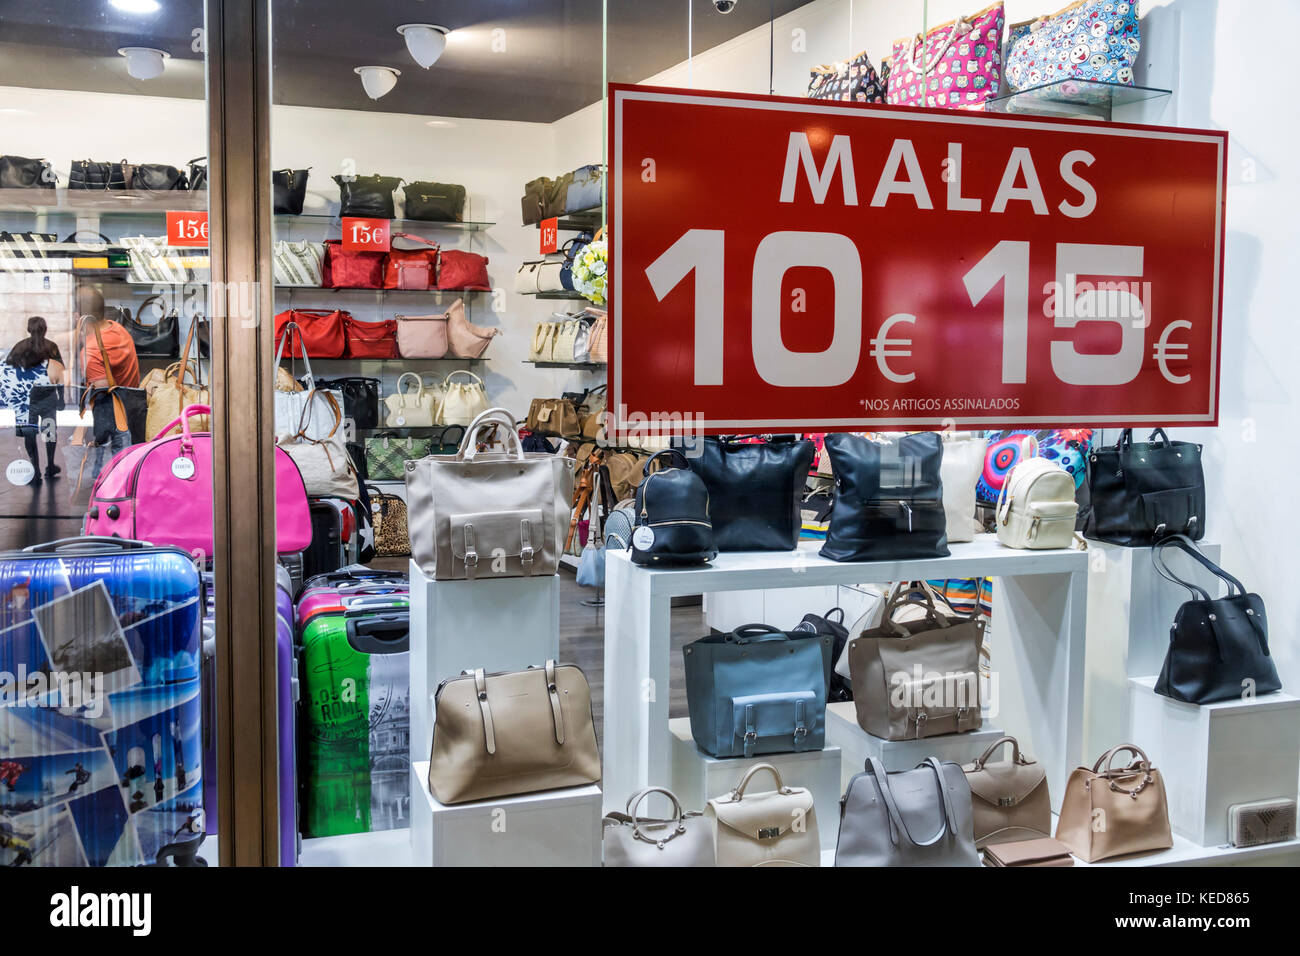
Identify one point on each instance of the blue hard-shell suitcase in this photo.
(101, 728)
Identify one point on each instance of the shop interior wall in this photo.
(493, 159)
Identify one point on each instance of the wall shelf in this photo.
(1082, 98)
(584, 366)
(554, 296)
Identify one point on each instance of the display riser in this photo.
(384, 848)
(502, 624)
(551, 828)
(697, 778)
(856, 745)
(1130, 610)
(784, 608)
(1212, 756)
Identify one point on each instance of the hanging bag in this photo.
(323, 462)
(169, 397)
(301, 408)
(1218, 647)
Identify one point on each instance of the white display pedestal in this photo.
(857, 745)
(697, 777)
(1213, 756)
(1130, 610)
(502, 624)
(1038, 642)
(551, 828)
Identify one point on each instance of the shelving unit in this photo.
(579, 366)
(1093, 99)
(589, 218)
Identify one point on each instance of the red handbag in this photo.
(412, 268)
(462, 271)
(370, 339)
(345, 269)
(323, 335)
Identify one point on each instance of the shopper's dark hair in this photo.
(34, 349)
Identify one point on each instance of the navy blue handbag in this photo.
(758, 690)
(572, 249)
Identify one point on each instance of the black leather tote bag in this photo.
(161, 340)
(672, 516)
(755, 491)
(369, 197)
(157, 177)
(1218, 647)
(360, 398)
(888, 499)
(1143, 491)
(435, 202)
(289, 191)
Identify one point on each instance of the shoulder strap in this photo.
(1184, 543)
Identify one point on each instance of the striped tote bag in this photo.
(299, 263)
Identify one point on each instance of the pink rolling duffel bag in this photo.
(161, 492)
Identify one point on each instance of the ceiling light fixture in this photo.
(424, 41)
(143, 62)
(136, 6)
(377, 80)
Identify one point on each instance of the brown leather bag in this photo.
(553, 416)
(514, 732)
(1110, 812)
(1009, 798)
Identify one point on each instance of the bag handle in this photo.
(739, 793)
(960, 27)
(645, 469)
(485, 419)
(1142, 763)
(634, 801)
(406, 235)
(897, 825)
(1016, 755)
(187, 441)
(905, 593)
(401, 395)
(749, 633)
(304, 418)
(1186, 544)
(87, 544)
(290, 328)
(465, 371)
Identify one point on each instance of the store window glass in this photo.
(106, 729)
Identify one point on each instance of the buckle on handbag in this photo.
(769, 833)
(1006, 801)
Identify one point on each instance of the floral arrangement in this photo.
(589, 272)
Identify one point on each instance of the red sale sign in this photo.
(550, 235)
(366, 235)
(187, 229)
(784, 264)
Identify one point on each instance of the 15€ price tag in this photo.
(366, 235)
(187, 229)
(550, 230)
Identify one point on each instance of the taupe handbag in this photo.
(918, 817)
(914, 679)
(681, 840)
(553, 416)
(1111, 812)
(490, 514)
(513, 732)
(773, 828)
(1008, 797)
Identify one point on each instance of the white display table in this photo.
(550, 828)
(1038, 643)
(697, 777)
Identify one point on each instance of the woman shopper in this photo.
(32, 361)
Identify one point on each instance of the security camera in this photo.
(725, 6)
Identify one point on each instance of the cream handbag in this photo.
(963, 461)
(566, 340)
(513, 732)
(526, 278)
(298, 263)
(491, 514)
(1009, 798)
(773, 828)
(1037, 509)
(543, 342)
(407, 409)
(462, 401)
(1113, 812)
(323, 462)
(680, 840)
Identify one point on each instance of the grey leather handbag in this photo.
(488, 514)
(918, 817)
(684, 839)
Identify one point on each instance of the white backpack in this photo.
(1037, 508)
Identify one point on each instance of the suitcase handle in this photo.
(87, 544)
(372, 633)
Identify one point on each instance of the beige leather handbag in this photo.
(773, 828)
(513, 732)
(489, 514)
(917, 678)
(1109, 812)
(543, 342)
(461, 400)
(1009, 797)
(680, 840)
(412, 408)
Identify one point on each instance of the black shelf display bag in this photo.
(289, 191)
(672, 516)
(367, 197)
(1141, 492)
(755, 491)
(435, 202)
(888, 499)
(1218, 647)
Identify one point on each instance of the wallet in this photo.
(1043, 851)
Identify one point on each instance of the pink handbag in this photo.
(161, 492)
(956, 65)
(422, 336)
